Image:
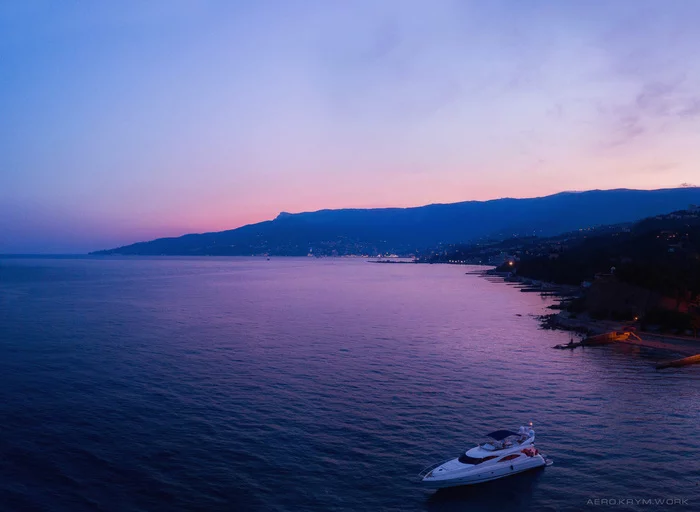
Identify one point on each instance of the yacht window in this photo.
(466, 459)
(510, 457)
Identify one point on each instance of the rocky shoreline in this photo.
(662, 344)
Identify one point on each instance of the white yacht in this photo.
(507, 454)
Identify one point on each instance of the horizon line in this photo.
(89, 253)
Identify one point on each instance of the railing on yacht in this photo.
(426, 471)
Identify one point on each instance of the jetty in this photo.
(677, 363)
(600, 339)
(633, 339)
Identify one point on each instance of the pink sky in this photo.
(129, 121)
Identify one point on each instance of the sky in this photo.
(131, 120)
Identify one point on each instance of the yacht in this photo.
(507, 453)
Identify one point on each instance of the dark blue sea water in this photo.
(305, 384)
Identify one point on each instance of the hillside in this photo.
(648, 270)
(660, 253)
(410, 230)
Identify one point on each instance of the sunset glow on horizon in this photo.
(128, 121)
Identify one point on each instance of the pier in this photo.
(677, 363)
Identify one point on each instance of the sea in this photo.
(310, 384)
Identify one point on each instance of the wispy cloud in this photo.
(661, 168)
(656, 107)
(691, 109)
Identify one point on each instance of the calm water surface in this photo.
(304, 384)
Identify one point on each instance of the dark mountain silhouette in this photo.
(407, 230)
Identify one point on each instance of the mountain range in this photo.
(411, 230)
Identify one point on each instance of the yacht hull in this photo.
(477, 475)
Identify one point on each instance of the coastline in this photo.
(662, 344)
(668, 344)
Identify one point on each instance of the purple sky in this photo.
(125, 121)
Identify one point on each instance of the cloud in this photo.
(691, 109)
(661, 168)
(656, 107)
(386, 38)
(623, 125)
